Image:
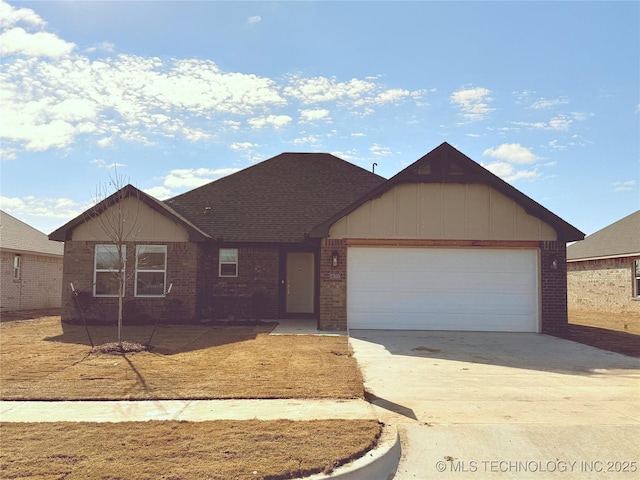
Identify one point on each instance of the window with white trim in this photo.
(17, 267)
(636, 277)
(151, 270)
(108, 270)
(228, 262)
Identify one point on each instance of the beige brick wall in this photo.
(602, 286)
(39, 286)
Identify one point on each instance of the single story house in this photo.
(603, 270)
(444, 245)
(31, 267)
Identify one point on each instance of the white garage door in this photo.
(442, 289)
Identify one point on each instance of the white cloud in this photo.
(7, 154)
(357, 134)
(53, 95)
(18, 41)
(508, 172)
(474, 102)
(103, 47)
(243, 146)
(275, 121)
(307, 116)
(545, 104)
(625, 186)
(308, 139)
(348, 155)
(558, 123)
(102, 164)
(10, 16)
(188, 178)
(352, 93)
(380, 151)
(41, 207)
(254, 20)
(512, 153)
(161, 193)
(555, 145)
(509, 156)
(47, 105)
(323, 89)
(391, 96)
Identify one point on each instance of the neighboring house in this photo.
(603, 270)
(444, 244)
(31, 266)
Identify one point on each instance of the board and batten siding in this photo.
(149, 225)
(442, 211)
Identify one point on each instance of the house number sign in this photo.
(335, 276)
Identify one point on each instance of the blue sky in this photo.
(177, 94)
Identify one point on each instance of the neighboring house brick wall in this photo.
(333, 285)
(38, 287)
(554, 286)
(177, 307)
(604, 285)
(252, 294)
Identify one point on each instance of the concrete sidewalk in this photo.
(381, 462)
(186, 410)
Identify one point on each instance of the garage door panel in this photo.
(444, 289)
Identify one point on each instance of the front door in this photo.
(300, 282)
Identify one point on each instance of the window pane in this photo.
(151, 257)
(228, 255)
(228, 269)
(150, 283)
(16, 267)
(106, 283)
(107, 257)
(637, 268)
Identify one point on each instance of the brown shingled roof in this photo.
(620, 239)
(278, 200)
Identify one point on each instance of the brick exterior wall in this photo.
(333, 285)
(253, 294)
(39, 285)
(553, 292)
(177, 307)
(604, 286)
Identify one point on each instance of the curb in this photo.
(380, 463)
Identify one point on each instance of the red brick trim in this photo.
(333, 285)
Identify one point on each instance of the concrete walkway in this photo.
(185, 410)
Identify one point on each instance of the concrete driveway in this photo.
(503, 405)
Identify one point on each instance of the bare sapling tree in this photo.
(116, 215)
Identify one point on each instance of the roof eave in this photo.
(604, 257)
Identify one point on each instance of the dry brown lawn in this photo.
(619, 322)
(182, 450)
(43, 359)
